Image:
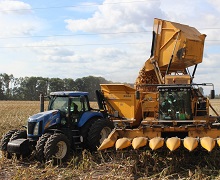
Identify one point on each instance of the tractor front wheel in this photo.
(98, 132)
(20, 134)
(57, 148)
(39, 152)
(4, 142)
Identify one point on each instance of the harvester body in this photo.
(165, 106)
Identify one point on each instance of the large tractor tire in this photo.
(84, 131)
(4, 142)
(19, 134)
(57, 148)
(98, 132)
(39, 152)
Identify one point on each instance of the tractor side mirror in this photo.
(212, 94)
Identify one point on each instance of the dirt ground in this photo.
(129, 164)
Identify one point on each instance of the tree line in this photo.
(29, 88)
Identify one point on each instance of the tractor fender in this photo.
(88, 115)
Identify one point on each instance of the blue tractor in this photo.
(69, 125)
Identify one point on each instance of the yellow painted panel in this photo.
(122, 99)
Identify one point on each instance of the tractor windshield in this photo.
(60, 103)
(174, 103)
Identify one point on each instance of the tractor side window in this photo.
(86, 106)
(77, 104)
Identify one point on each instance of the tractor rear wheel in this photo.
(4, 142)
(57, 148)
(98, 132)
(39, 153)
(85, 129)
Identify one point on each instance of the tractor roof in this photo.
(69, 93)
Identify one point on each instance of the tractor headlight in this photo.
(36, 129)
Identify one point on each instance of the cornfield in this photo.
(129, 164)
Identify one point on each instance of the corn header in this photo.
(165, 108)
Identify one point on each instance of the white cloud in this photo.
(14, 7)
(17, 19)
(114, 63)
(109, 52)
(208, 71)
(211, 62)
(215, 3)
(84, 7)
(197, 13)
(102, 55)
(118, 17)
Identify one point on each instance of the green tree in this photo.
(42, 85)
(79, 85)
(28, 88)
(69, 84)
(16, 93)
(90, 84)
(6, 79)
(56, 84)
(2, 97)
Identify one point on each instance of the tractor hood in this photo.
(39, 122)
(47, 115)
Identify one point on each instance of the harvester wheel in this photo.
(4, 142)
(19, 134)
(98, 132)
(57, 148)
(39, 153)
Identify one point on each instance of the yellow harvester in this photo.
(165, 107)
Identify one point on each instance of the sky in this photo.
(108, 38)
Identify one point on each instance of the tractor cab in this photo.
(70, 104)
(175, 103)
(66, 109)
